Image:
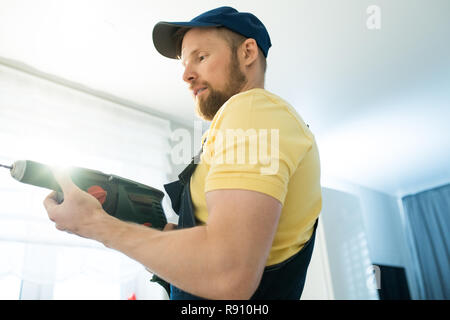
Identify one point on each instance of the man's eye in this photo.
(201, 58)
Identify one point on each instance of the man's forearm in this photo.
(187, 258)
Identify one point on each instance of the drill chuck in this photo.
(18, 170)
(34, 173)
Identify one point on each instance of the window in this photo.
(49, 123)
(10, 287)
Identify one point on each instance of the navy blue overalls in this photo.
(281, 281)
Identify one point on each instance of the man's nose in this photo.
(189, 75)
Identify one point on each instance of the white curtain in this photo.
(53, 124)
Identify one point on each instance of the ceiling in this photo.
(377, 100)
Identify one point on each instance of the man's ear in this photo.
(249, 51)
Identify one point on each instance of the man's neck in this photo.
(252, 85)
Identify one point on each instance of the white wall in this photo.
(318, 283)
(384, 227)
(341, 258)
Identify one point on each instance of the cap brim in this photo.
(163, 36)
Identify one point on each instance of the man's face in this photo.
(211, 69)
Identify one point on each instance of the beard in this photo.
(208, 107)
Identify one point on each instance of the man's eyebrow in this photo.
(192, 53)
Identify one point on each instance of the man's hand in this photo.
(79, 213)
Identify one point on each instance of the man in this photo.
(246, 227)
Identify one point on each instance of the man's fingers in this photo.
(50, 200)
(60, 228)
(50, 203)
(64, 180)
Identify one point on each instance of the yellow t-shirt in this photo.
(258, 142)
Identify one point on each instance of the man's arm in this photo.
(222, 260)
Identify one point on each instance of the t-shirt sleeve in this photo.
(257, 145)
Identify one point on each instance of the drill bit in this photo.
(7, 167)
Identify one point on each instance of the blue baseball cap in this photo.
(243, 23)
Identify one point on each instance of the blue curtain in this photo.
(428, 213)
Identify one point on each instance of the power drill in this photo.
(124, 199)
